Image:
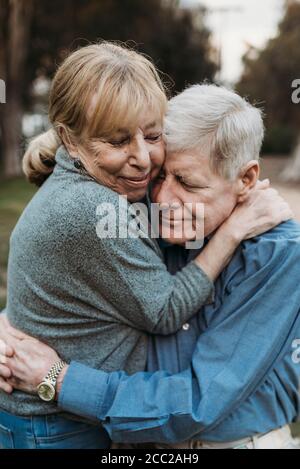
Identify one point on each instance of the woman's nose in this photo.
(140, 155)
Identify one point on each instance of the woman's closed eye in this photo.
(153, 137)
(120, 142)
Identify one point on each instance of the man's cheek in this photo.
(211, 223)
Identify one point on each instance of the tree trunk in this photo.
(11, 135)
(292, 172)
(15, 21)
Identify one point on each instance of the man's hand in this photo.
(5, 373)
(24, 361)
(30, 363)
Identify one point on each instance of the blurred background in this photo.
(251, 46)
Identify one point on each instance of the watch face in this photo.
(46, 392)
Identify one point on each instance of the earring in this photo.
(78, 164)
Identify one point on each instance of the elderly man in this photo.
(230, 377)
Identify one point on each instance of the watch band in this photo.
(47, 388)
(55, 371)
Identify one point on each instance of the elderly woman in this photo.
(95, 300)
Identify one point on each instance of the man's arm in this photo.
(232, 358)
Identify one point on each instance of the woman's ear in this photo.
(247, 179)
(65, 138)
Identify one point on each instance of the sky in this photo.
(249, 22)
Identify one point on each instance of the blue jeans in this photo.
(49, 432)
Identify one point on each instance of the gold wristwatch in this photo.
(47, 389)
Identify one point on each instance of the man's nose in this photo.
(139, 153)
(166, 195)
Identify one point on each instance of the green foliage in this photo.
(279, 139)
(296, 429)
(14, 195)
(177, 40)
(268, 78)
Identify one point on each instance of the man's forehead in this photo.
(185, 162)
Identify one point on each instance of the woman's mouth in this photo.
(138, 181)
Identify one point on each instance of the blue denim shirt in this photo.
(233, 373)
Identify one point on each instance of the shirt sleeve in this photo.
(231, 360)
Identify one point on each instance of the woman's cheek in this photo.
(114, 162)
(158, 159)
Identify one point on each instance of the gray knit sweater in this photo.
(93, 300)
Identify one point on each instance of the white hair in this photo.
(208, 114)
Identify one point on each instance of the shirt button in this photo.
(186, 326)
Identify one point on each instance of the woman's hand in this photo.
(24, 361)
(263, 210)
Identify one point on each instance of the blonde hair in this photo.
(96, 91)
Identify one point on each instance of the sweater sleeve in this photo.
(129, 275)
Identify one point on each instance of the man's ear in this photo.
(247, 179)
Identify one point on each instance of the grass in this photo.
(296, 429)
(14, 196)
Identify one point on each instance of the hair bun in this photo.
(39, 159)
